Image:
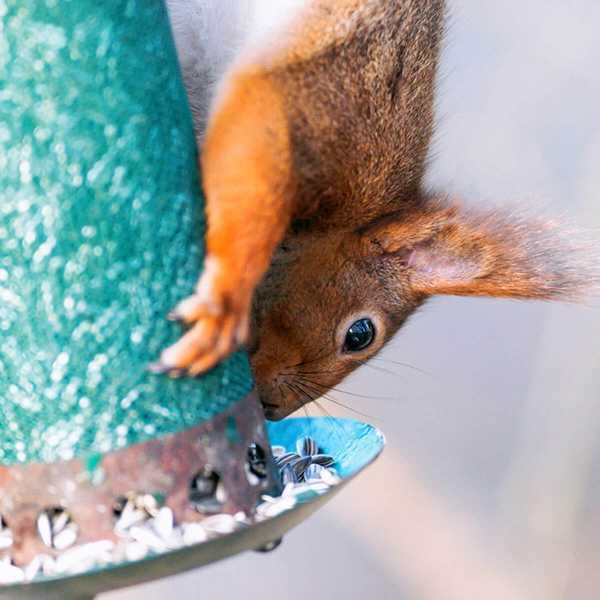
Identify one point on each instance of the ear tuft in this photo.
(446, 250)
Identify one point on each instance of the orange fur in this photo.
(312, 166)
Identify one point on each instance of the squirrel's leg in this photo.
(246, 168)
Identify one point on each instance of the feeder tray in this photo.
(354, 445)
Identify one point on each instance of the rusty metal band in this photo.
(88, 487)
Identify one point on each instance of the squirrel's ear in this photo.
(442, 249)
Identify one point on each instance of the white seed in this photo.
(135, 551)
(60, 521)
(6, 539)
(33, 568)
(148, 503)
(84, 557)
(313, 472)
(48, 565)
(194, 533)
(272, 509)
(242, 518)
(163, 522)
(317, 486)
(330, 477)
(74, 561)
(220, 524)
(146, 536)
(267, 498)
(11, 574)
(288, 490)
(45, 529)
(67, 537)
(130, 517)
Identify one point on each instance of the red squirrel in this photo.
(322, 238)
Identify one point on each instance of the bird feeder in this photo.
(101, 234)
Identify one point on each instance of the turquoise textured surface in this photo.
(101, 228)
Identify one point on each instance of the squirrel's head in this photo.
(331, 301)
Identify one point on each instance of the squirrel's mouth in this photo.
(271, 411)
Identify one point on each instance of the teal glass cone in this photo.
(101, 228)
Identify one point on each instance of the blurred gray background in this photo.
(490, 485)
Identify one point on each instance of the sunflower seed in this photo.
(44, 528)
(135, 551)
(242, 519)
(219, 524)
(330, 477)
(267, 498)
(33, 568)
(306, 446)
(146, 536)
(11, 574)
(313, 472)
(147, 503)
(74, 561)
(272, 509)
(64, 539)
(6, 539)
(130, 517)
(48, 565)
(317, 486)
(163, 522)
(59, 521)
(288, 475)
(288, 489)
(323, 459)
(145, 527)
(194, 533)
(299, 466)
(286, 459)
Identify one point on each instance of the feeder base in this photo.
(355, 445)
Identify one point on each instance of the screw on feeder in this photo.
(270, 546)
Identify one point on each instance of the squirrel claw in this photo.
(209, 339)
(159, 368)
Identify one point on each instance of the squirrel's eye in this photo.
(360, 335)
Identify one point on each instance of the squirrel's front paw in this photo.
(218, 314)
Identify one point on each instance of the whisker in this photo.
(313, 395)
(340, 391)
(402, 364)
(308, 362)
(340, 370)
(366, 363)
(314, 387)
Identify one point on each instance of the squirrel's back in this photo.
(357, 77)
